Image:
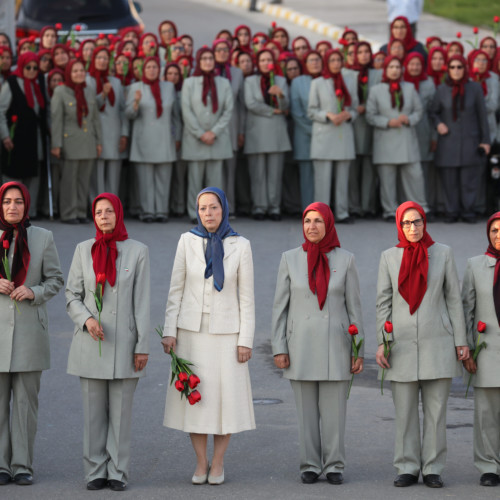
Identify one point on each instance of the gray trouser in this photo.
(17, 437)
(74, 191)
(460, 189)
(55, 175)
(487, 429)
(306, 182)
(410, 454)
(178, 189)
(412, 181)
(266, 173)
(230, 182)
(433, 190)
(362, 186)
(243, 191)
(290, 185)
(33, 185)
(107, 413)
(202, 174)
(324, 170)
(105, 177)
(321, 411)
(154, 188)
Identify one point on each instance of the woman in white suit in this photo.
(481, 301)
(419, 293)
(317, 298)
(210, 321)
(108, 371)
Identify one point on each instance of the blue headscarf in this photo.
(214, 254)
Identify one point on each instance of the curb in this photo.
(329, 31)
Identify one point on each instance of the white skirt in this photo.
(226, 405)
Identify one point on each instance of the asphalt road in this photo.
(261, 464)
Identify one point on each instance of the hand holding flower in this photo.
(22, 293)
(95, 329)
(356, 365)
(169, 344)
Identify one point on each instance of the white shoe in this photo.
(216, 480)
(200, 479)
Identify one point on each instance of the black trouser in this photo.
(460, 189)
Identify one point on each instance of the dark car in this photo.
(93, 17)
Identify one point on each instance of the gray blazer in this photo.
(424, 343)
(468, 131)
(317, 341)
(425, 131)
(302, 130)
(265, 131)
(491, 103)
(77, 143)
(394, 146)
(199, 119)
(114, 123)
(477, 296)
(329, 141)
(153, 138)
(124, 317)
(25, 335)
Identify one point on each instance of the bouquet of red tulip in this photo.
(356, 346)
(481, 328)
(387, 350)
(100, 280)
(274, 99)
(6, 267)
(186, 381)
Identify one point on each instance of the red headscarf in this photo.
(42, 32)
(295, 40)
(148, 53)
(491, 251)
(318, 268)
(339, 86)
(431, 39)
(437, 76)
(55, 71)
(490, 38)
(347, 31)
(238, 61)
(154, 85)
(21, 260)
(128, 77)
(394, 85)
(62, 47)
(159, 31)
(101, 76)
(412, 281)
(408, 41)
(30, 84)
(458, 86)
(209, 86)
(475, 75)
(81, 103)
(496, 63)
(305, 64)
(265, 78)
(324, 42)
(283, 30)
(6, 72)
(222, 69)
(422, 77)
(178, 85)
(104, 251)
(363, 70)
(247, 47)
(458, 44)
(24, 41)
(126, 31)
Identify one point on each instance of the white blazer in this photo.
(232, 310)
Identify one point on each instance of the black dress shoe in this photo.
(275, 217)
(309, 477)
(450, 219)
(97, 484)
(404, 480)
(433, 481)
(4, 478)
(23, 479)
(259, 217)
(335, 477)
(161, 218)
(390, 218)
(470, 220)
(70, 221)
(147, 219)
(83, 220)
(489, 479)
(430, 217)
(116, 485)
(345, 220)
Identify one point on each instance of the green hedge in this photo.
(474, 12)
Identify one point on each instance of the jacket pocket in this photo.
(446, 323)
(289, 330)
(131, 323)
(42, 317)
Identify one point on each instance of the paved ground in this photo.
(262, 464)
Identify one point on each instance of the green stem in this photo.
(382, 382)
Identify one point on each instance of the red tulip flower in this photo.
(459, 34)
(101, 36)
(58, 26)
(101, 278)
(5, 244)
(111, 47)
(179, 385)
(443, 67)
(110, 37)
(273, 24)
(185, 62)
(32, 39)
(14, 119)
(343, 41)
(193, 380)
(496, 19)
(182, 376)
(127, 54)
(353, 329)
(394, 86)
(78, 27)
(270, 67)
(475, 30)
(194, 397)
(481, 327)
(388, 327)
(364, 80)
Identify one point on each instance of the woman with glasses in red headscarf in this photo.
(109, 350)
(419, 313)
(35, 277)
(393, 110)
(167, 30)
(76, 140)
(481, 302)
(401, 30)
(333, 101)
(458, 113)
(23, 111)
(312, 312)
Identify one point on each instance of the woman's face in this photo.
(413, 225)
(314, 226)
(334, 63)
(495, 234)
(292, 69)
(274, 50)
(173, 75)
(437, 61)
(5, 60)
(78, 73)
(177, 50)
(313, 64)
(4, 41)
(454, 50)
(101, 61)
(434, 43)
(45, 63)
(351, 55)
(351, 38)
(397, 50)
(414, 67)
(13, 206)
(378, 61)
(480, 64)
(281, 38)
(167, 32)
(259, 42)
(394, 70)
(245, 64)
(151, 70)
(56, 80)
(149, 45)
(489, 47)
(49, 39)
(221, 53)
(61, 58)
(120, 63)
(130, 47)
(87, 50)
(105, 216)
(300, 48)
(25, 47)
(456, 70)
(210, 211)
(265, 60)
(133, 37)
(207, 62)
(399, 30)
(137, 68)
(322, 48)
(243, 37)
(102, 42)
(364, 55)
(188, 46)
(30, 70)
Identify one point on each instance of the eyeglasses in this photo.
(206, 59)
(488, 46)
(301, 47)
(407, 223)
(222, 49)
(168, 30)
(456, 67)
(31, 68)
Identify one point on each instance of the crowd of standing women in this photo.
(275, 123)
